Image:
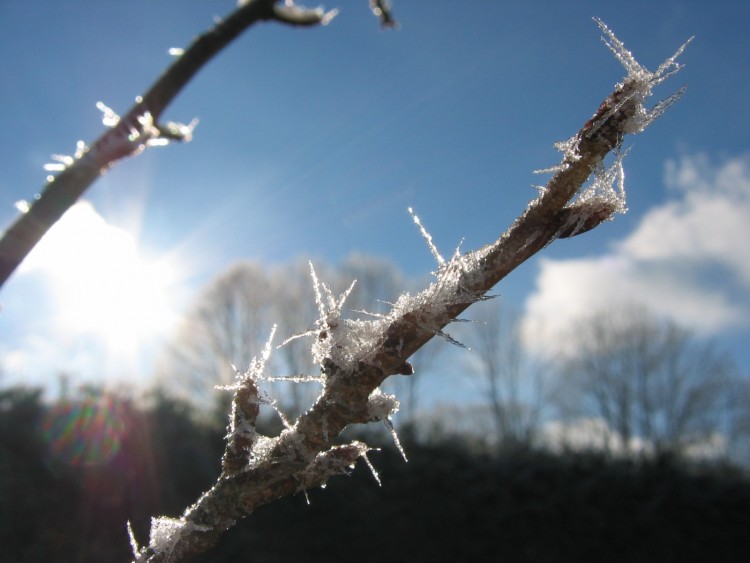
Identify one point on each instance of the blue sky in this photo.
(315, 142)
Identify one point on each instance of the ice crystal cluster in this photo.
(125, 137)
(639, 82)
(605, 196)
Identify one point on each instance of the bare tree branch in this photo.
(139, 127)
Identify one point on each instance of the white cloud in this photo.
(688, 259)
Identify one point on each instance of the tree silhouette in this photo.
(648, 379)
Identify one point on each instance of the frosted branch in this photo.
(355, 356)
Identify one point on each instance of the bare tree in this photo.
(650, 380)
(294, 311)
(228, 323)
(511, 384)
(231, 318)
(355, 356)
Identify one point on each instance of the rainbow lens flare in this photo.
(86, 431)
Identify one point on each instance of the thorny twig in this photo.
(356, 356)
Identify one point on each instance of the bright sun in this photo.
(103, 288)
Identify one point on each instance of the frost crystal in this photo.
(394, 435)
(428, 238)
(372, 469)
(166, 532)
(569, 148)
(380, 406)
(636, 87)
(342, 341)
(599, 202)
(608, 186)
(133, 542)
(640, 81)
(336, 461)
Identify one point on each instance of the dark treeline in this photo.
(72, 473)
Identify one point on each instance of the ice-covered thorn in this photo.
(134, 547)
(618, 49)
(444, 335)
(372, 469)
(655, 112)
(369, 314)
(672, 62)
(344, 296)
(298, 378)
(316, 288)
(428, 238)
(394, 435)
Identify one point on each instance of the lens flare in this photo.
(86, 431)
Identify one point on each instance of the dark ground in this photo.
(64, 501)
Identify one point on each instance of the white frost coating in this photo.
(166, 532)
(327, 464)
(608, 186)
(569, 148)
(641, 81)
(381, 405)
(447, 290)
(343, 341)
(606, 194)
(637, 86)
